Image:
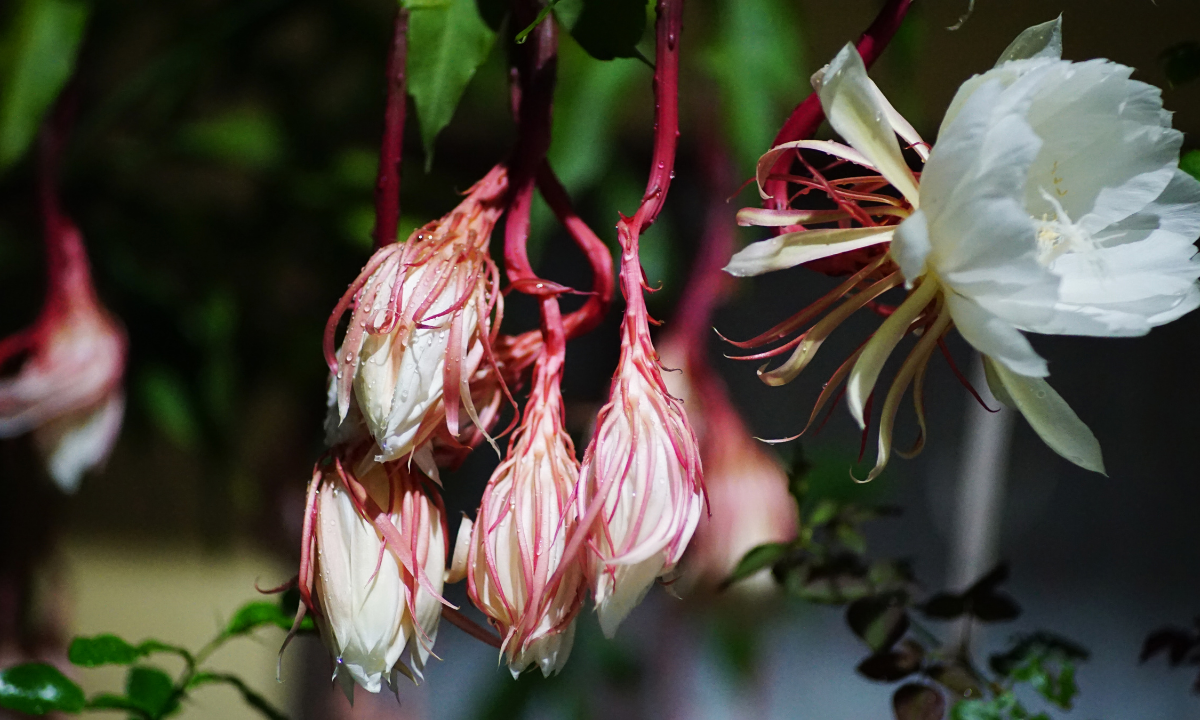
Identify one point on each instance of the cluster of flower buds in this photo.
(421, 349)
(68, 391)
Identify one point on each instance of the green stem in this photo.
(524, 34)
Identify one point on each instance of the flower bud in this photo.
(422, 322)
(641, 491)
(378, 569)
(517, 575)
(68, 390)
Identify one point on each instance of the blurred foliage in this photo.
(1180, 645)
(150, 693)
(828, 564)
(1181, 62)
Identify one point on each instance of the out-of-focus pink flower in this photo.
(749, 502)
(641, 488)
(517, 573)
(372, 566)
(422, 323)
(68, 390)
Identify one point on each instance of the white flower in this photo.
(1052, 202)
(376, 597)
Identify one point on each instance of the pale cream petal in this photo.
(852, 104)
(1039, 41)
(796, 248)
(829, 147)
(1050, 417)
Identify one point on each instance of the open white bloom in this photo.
(1052, 202)
(378, 570)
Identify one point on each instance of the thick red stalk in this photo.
(387, 184)
(802, 124)
(666, 112)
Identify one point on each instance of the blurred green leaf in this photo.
(251, 698)
(37, 56)
(825, 511)
(243, 138)
(355, 169)
(103, 650)
(606, 29)
(1182, 62)
(166, 401)
(447, 43)
(109, 701)
(254, 615)
(759, 558)
(914, 701)
(36, 689)
(758, 62)
(152, 690)
(880, 620)
(1190, 163)
(1047, 662)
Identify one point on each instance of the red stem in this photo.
(808, 115)
(387, 184)
(666, 112)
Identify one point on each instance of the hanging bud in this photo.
(518, 574)
(422, 323)
(68, 389)
(372, 567)
(641, 489)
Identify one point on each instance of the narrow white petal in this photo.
(1050, 417)
(829, 147)
(852, 104)
(791, 249)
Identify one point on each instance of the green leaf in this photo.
(825, 511)
(1190, 163)
(447, 42)
(1182, 62)
(763, 556)
(606, 29)
(251, 698)
(151, 690)
(914, 701)
(37, 688)
(102, 650)
(243, 138)
(254, 615)
(37, 56)
(880, 620)
(166, 400)
(108, 701)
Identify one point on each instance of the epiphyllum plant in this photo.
(1052, 202)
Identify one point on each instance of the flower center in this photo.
(1058, 235)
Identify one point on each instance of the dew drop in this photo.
(1040, 394)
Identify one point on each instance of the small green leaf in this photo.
(447, 42)
(944, 606)
(254, 615)
(606, 29)
(36, 689)
(886, 667)
(914, 701)
(102, 650)
(851, 538)
(759, 558)
(243, 138)
(37, 56)
(151, 690)
(1190, 163)
(880, 620)
(167, 401)
(825, 511)
(1182, 62)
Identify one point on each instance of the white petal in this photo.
(852, 104)
(994, 337)
(77, 443)
(910, 246)
(1050, 417)
(829, 147)
(796, 248)
(1039, 41)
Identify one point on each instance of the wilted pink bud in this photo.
(422, 322)
(641, 491)
(517, 573)
(372, 566)
(68, 391)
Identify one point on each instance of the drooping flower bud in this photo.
(641, 492)
(516, 565)
(422, 322)
(68, 391)
(372, 567)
